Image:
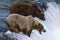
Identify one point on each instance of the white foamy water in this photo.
(51, 24)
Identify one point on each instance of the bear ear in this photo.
(34, 5)
(36, 22)
(30, 16)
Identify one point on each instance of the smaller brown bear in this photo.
(17, 23)
(27, 9)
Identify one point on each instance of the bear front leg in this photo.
(28, 33)
(24, 31)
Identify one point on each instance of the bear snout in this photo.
(43, 30)
(43, 19)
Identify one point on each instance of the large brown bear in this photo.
(17, 23)
(27, 9)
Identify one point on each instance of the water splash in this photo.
(52, 25)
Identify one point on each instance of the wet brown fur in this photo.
(17, 23)
(27, 9)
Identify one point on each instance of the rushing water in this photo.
(51, 24)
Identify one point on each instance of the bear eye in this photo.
(39, 24)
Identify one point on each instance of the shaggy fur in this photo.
(27, 9)
(17, 23)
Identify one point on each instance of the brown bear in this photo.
(17, 23)
(27, 9)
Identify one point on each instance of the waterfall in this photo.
(52, 21)
(52, 25)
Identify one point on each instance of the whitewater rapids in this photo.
(51, 24)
